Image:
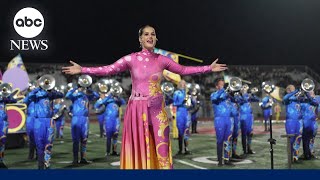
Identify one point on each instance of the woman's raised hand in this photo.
(218, 67)
(74, 69)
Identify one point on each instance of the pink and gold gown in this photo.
(145, 137)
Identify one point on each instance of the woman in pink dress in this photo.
(145, 137)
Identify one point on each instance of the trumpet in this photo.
(47, 82)
(167, 88)
(85, 81)
(307, 85)
(268, 87)
(5, 90)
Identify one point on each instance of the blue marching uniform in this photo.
(266, 105)
(246, 121)
(80, 121)
(223, 123)
(59, 121)
(183, 119)
(309, 107)
(101, 122)
(44, 125)
(294, 123)
(235, 115)
(30, 122)
(112, 121)
(4, 125)
(194, 113)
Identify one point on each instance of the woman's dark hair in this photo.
(142, 28)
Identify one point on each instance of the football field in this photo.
(202, 145)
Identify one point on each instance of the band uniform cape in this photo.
(145, 138)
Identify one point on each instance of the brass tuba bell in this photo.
(85, 81)
(307, 85)
(103, 85)
(47, 82)
(116, 90)
(5, 90)
(167, 88)
(235, 84)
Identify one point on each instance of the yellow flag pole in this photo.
(191, 58)
(184, 56)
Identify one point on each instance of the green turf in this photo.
(200, 144)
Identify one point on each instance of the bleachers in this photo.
(280, 75)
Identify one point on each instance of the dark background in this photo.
(239, 32)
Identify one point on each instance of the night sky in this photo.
(238, 32)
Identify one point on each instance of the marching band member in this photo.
(293, 119)
(60, 120)
(246, 119)
(43, 122)
(30, 121)
(112, 121)
(80, 98)
(101, 117)
(235, 115)
(194, 113)
(266, 105)
(4, 123)
(309, 106)
(183, 117)
(223, 122)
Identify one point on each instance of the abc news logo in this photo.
(28, 23)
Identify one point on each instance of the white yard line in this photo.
(189, 164)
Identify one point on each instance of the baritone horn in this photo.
(103, 85)
(85, 81)
(167, 88)
(47, 82)
(235, 84)
(116, 90)
(307, 85)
